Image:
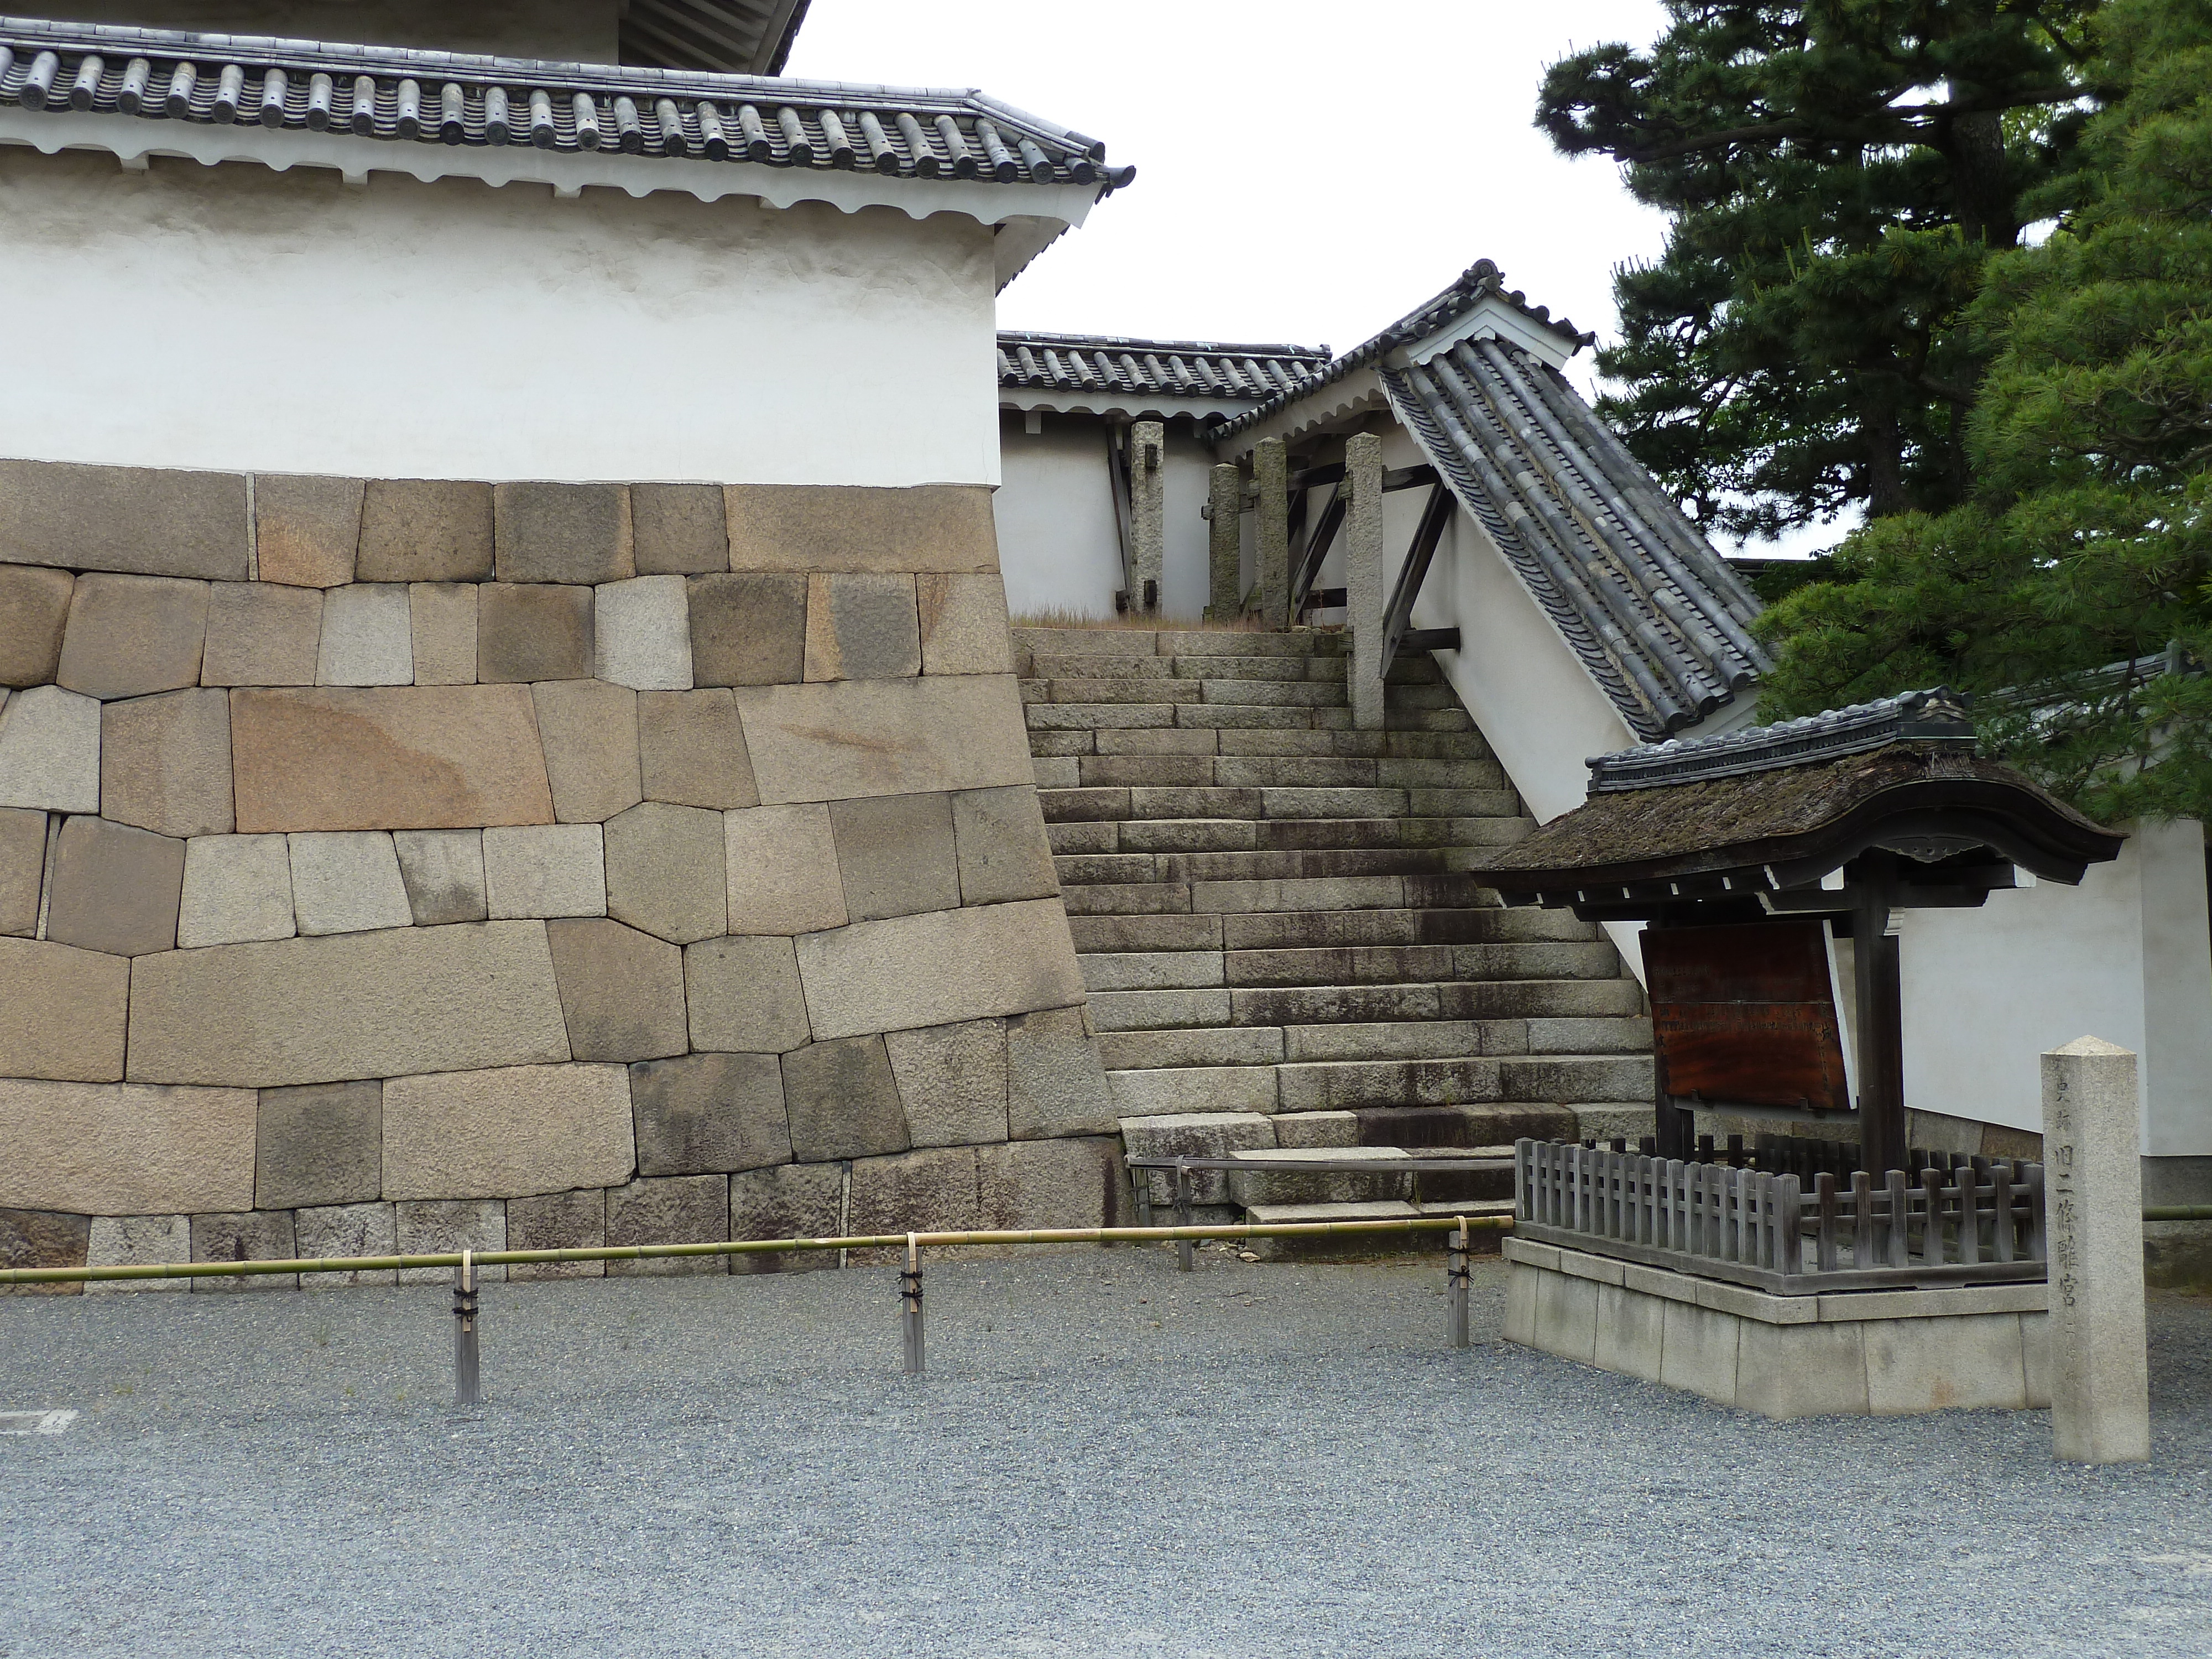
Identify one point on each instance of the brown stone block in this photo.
(43, 1238)
(666, 872)
(692, 750)
(842, 1100)
(700, 1113)
(925, 1192)
(853, 527)
(164, 762)
(1004, 851)
(743, 995)
(678, 529)
(34, 607)
(387, 757)
(425, 530)
(150, 521)
(306, 529)
(62, 1011)
(120, 1149)
(1053, 1183)
(621, 992)
(506, 1134)
(861, 627)
(589, 731)
(253, 1235)
(116, 889)
(323, 1143)
(748, 629)
(22, 869)
(963, 625)
(849, 737)
(557, 1221)
(532, 631)
(669, 1210)
(896, 855)
(796, 1200)
(563, 532)
(261, 633)
(783, 870)
(128, 636)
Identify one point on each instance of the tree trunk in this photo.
(1974, 145)
(1885, 460)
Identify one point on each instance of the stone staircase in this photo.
(1272, 913)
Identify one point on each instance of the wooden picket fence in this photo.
(1945, 1226)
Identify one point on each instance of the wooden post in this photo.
(1147, 514)
(1271, 471)
(1457, 1270)
(1365, 597)
(1182, 1215)
(468, 1381)
(911, 1306)
(1224, 543)
(1878, 1031)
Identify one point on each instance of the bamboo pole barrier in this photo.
(757, 1247)
(2177, 1212)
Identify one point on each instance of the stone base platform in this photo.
(1881, 1353)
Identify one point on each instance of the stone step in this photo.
(1352, 1085)
(1287, 864)
(1279, 771)
(1092, 835)
(1213, 1041)
(1060, 716)
(1381, 964)
(1326, 929)
(1256, 1187)
(1236, 694)
(1530, 998)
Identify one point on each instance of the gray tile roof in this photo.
(1170, 369)
(1938, 716)
(1657, 615)
(729, 37)
(399, 94)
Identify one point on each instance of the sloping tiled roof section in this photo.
(401, 95)
(1480, 281)
(728, 37)
(1657, 615)
(1169, 368)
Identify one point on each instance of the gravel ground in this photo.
(1105, 1458)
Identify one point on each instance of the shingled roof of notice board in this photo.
(403, 95)
(1166, 369)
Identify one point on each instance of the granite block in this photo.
(1055, 1082)
(896, 855)
(425, 530)
(253, 1235)
(667, 872)
(678, 529)
(641, 633)
(164, 762)
(307, 530)
(621, 992)
(702, 1113)
(964, 624)
(844, 738)
(347, 882)
(445, 1226)
(843, 1101)
(589, 729)
(743, 995)
(932, 1191)
(115, 889)
(320, 1144)
(129, 636)
(1566, 1317)
(50, 750)
(533, 631)
(22, 868)
(748, 629)
(557, 1221)
(952, 1082)
(1196, 1134)
(938, 967)
(43, 1238)
(1630, 1330)
(1054, 1183)
(236, 889)
(121, 1149)
(938, 527)
(443, 870)
(1698, 1347)
(781, 863)
(138, 1241)
(1800, 1369)
(1968, 1362)
(34, 607)
(796, 1200)
(368, 637)
(1004, 851)
(669, 1210)
(563, 532)
(156, 521)
(510, 1133)
(861, 627)
(691, 749)
(329, 1232)
(262, 634)
(545, 869)
(442, 616)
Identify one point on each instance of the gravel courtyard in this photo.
(1105, 1458)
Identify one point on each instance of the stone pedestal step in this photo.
(1338, 1004)
(1346, 1085)
(1276, 930)
(1123, 802)
(1175, 642)
(1343, 968)
(1079, 836)
(1339, 742)
(1277, 772)
(1099, 716)
(1224, 1044)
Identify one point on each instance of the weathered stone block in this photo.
(796, 1200)
(843, 1099)
(262, 634)
(748, 629)
(347, 1005)
(1055, 1082)
(34, 607)
(896, 855)
(545, 869)
(691, 750)
(642, 633)
(670, 1210)
(444, 1226)
(938, 967)
(506, 1134)
(425, 530)
(307, 530)
(42, 1238)
(442, 616)
(952, 1082)
(1195, 1134)
(153, 521)
(861, 627)
(115, 889)
(50, 750)
(963, 625)
(237, 888)
(368, 637)
(347, 882)
(22, 869)
(61, 1012)
(1004, 852)
(847, 738)
(345, 1230)
(1053, 1183)
(129, 635)
(417, 758)
(323, 1143)
(744, 995)
(678, 529)
(563, 532)
(164, 762)
(667, 872)
(589, 729)
(925, 1192)
(557, 1221)
(443, 870)
(138, 1241)
(533, 631)
(621, 992)
(702, 1113)
(852, 528)
(254, 1235)
(782, 868)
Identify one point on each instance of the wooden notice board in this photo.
(1745, 1015)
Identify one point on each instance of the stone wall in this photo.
(407, 863)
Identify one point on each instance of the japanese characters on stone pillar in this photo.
(1148, 528)
(1224, 543)
(1271, 472)
(1363, 580)
(2092, 1152)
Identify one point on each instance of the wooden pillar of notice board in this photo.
(1878, 1036)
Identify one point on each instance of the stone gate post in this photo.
(1363, 582)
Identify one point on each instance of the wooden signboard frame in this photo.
(1746, 1019)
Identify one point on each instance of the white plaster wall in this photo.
(1058, 548)
(236, 318)
(1184, 576)
(570, 31)
(2126, 956)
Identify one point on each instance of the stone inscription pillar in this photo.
(1271, 471)
(1363, 562)
(1224, 543)
(1148, 526)
(2092, 1170)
